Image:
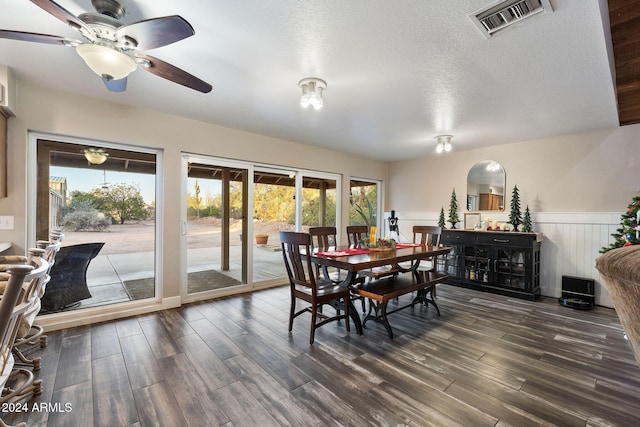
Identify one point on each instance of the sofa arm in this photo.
(620, 270)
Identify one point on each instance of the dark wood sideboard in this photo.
(506, 263)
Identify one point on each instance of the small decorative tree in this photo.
(453, 210)
(527, 225)
(441, 221)
(629, 229)
(515, 217)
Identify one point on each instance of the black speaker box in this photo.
(578, 292)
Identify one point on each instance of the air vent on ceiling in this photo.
(498, 16)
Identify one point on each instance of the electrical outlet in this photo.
(6, 222)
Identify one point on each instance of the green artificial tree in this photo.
(627, 234)
(453, 210)
(441, 221)
(527, 225)
(515, 217)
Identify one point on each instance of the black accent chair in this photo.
(68, 284)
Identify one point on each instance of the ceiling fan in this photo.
(112, 49)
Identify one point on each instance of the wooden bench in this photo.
(380, 292)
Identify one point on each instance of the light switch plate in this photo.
(6, 222)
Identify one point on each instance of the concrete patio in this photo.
(106, 273)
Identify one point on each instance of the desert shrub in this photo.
(86, 219)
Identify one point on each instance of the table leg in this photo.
(384, 320)
(380, 315)
(349, 281)
(426, 296)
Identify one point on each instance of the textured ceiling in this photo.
(398, 72)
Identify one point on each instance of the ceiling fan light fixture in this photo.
(444, 143)
(312, 88)
(106, 61)
(95, 156)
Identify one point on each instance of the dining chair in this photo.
(309, 288)
(17, 383)
(322, 239)
(357, 234)
(427, 235)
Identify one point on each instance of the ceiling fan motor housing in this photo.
(110, 8)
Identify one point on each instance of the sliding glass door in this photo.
(103, 197)
(233, 215)
(287, 200)
(215, 225)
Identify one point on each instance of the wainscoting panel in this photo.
(571, 243)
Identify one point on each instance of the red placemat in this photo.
(344, 252)
(407, 245)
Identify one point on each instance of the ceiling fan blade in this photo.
(157, 32)
(63, 14)
(173, 73)
(35, 37)
(115, 85)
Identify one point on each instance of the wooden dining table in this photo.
(356, 260)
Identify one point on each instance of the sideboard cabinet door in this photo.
(492, 261)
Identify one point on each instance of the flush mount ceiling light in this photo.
(106, 62)
(444, 143)
(312, 92)
(95, 156)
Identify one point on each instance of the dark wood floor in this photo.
(487, 361)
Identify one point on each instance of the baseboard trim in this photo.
(87, 316)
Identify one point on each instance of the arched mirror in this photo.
(485, 187)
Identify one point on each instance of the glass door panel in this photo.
(274, 210)
(105, 205)
(318, 202)
(449, 263)
(510, 268)
(476, 263)
(216, 226)
(277, 207)
(363, 208)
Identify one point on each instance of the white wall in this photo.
(42, 110)
(576, 186)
